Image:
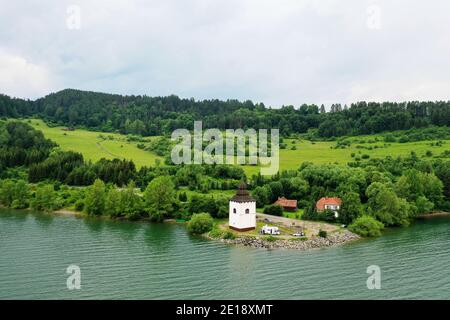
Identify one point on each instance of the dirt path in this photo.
(107, 151)
(311, 226)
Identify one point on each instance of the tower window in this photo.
(247, 210)
(234, 210)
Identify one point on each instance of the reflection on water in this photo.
(19, 215)
(124, 230)
(128, 260)
(241, 264)
(94, 224)
(43, 219)
(159, 237)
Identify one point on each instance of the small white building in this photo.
(242, 210)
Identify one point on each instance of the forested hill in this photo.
(161, 115)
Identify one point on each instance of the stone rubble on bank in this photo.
(334, 239)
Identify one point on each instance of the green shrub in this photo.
(16, 204)
(310, 212)
(216, 207)
(44, 198)
(182, 197)
(274, 210)
(322, 233)
(327, 215)
(270, 238)
(79, 205)
(366, 226)
(14, 194)
(229, 235)
(389, 138)
(216, 233)
(200, 223)
(299, 239)
(94, 201)
(183, 214)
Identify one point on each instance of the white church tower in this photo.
(242, 210)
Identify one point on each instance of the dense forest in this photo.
(161, 115)
(21, 145)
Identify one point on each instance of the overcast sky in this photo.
(277, 52)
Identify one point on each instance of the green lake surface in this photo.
(125, 260)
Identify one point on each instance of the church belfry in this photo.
(242, 211)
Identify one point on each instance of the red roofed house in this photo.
(333, 204)
(288, 205)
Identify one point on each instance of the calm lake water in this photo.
(121, 260)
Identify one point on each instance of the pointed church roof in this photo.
(242, 194)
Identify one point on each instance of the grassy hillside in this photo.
(328, 152)
(93, 147)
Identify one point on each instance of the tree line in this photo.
(21, 145)
(149, 116)
(159, 199)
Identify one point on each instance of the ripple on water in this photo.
(121, 260)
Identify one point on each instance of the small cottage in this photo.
(288, 205)
(332, 204)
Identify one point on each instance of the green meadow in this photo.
(96, 145)
(322, 152)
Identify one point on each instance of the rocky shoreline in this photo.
(333, 239)
(434, 215)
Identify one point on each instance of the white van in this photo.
(270, 230)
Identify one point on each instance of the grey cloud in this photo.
(278, 52)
